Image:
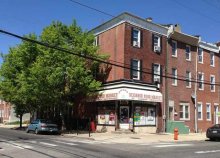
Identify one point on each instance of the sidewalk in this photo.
(133, 138)
(139, 138)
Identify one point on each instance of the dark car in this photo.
(42, 125)
(213, 132)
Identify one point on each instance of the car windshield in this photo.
(46, 121)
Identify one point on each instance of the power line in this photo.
(95, 59)
(193, 10)
(92, 8)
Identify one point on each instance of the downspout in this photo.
(166, 102)
(195, 92)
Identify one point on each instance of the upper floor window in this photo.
(188, 53)
(201, 81)
(96, 42)
(135, 69)
(212, 83)
(174, 76)
(156, 73)
(136, 37)
(188, 79)
(200, 55)
(174, 48)
(212, 59)
(156, 43)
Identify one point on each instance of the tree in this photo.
(37, 77)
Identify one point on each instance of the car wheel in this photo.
(36, 131)
(211, 139)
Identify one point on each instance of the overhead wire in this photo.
(95, 59)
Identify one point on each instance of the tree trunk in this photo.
(21, 115)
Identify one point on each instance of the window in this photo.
(156, 43)
(174, 48)
(208, 111)
(200, 55)
(188, 79)
(96, 42)
(212, 83)
(188, 53)
(136, 37)
(199, 111)
(184, 111)
(201, 81)
(156, 77)
(174, 76)
(212, 59)
(135, 69)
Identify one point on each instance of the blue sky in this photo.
(196, 17)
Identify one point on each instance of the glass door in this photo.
(124, 117)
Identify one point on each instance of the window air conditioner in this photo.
(157, 80)
(156, 49)
(135, 43)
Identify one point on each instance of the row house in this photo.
(131, 97)
(152, 85)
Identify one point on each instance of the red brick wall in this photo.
(206, 96)
(180, 93)
(112, 43)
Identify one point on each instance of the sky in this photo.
(196, 17)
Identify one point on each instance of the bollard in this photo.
(176, 133)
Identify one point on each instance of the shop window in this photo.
(145, 115)
(106, 115)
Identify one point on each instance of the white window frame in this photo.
(184, 111)
(157, 76)
(136, 40)
(201, 80)
(158, 44)
(137, 70)
(200, 56)
(212, 83)
(174, 77)
(199, 104)
(212, 59)
(188, 79)
(188, 59)
(174, 50)
(208, 111)
(96, 42)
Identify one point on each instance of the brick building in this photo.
(158, 61)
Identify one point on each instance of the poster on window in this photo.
(106, 117)
(137, 115)
(151, 117)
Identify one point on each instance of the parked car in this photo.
(213, 132)
(42, 125)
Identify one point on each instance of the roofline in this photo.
(133, 20)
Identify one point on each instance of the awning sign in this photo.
(129, 94)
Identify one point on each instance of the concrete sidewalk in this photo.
(138, 138)
(133, 138)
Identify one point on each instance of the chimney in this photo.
(177, 28)
(149, 19)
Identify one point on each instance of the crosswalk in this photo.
(29, 144)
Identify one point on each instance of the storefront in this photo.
(127, 105)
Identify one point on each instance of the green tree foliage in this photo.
(35, 77)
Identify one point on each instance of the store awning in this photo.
(129, 94)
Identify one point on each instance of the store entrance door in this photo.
(124, 117)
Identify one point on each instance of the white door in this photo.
(124, 117)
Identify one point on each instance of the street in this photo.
(18, 144)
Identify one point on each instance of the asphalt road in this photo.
(18, 144)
